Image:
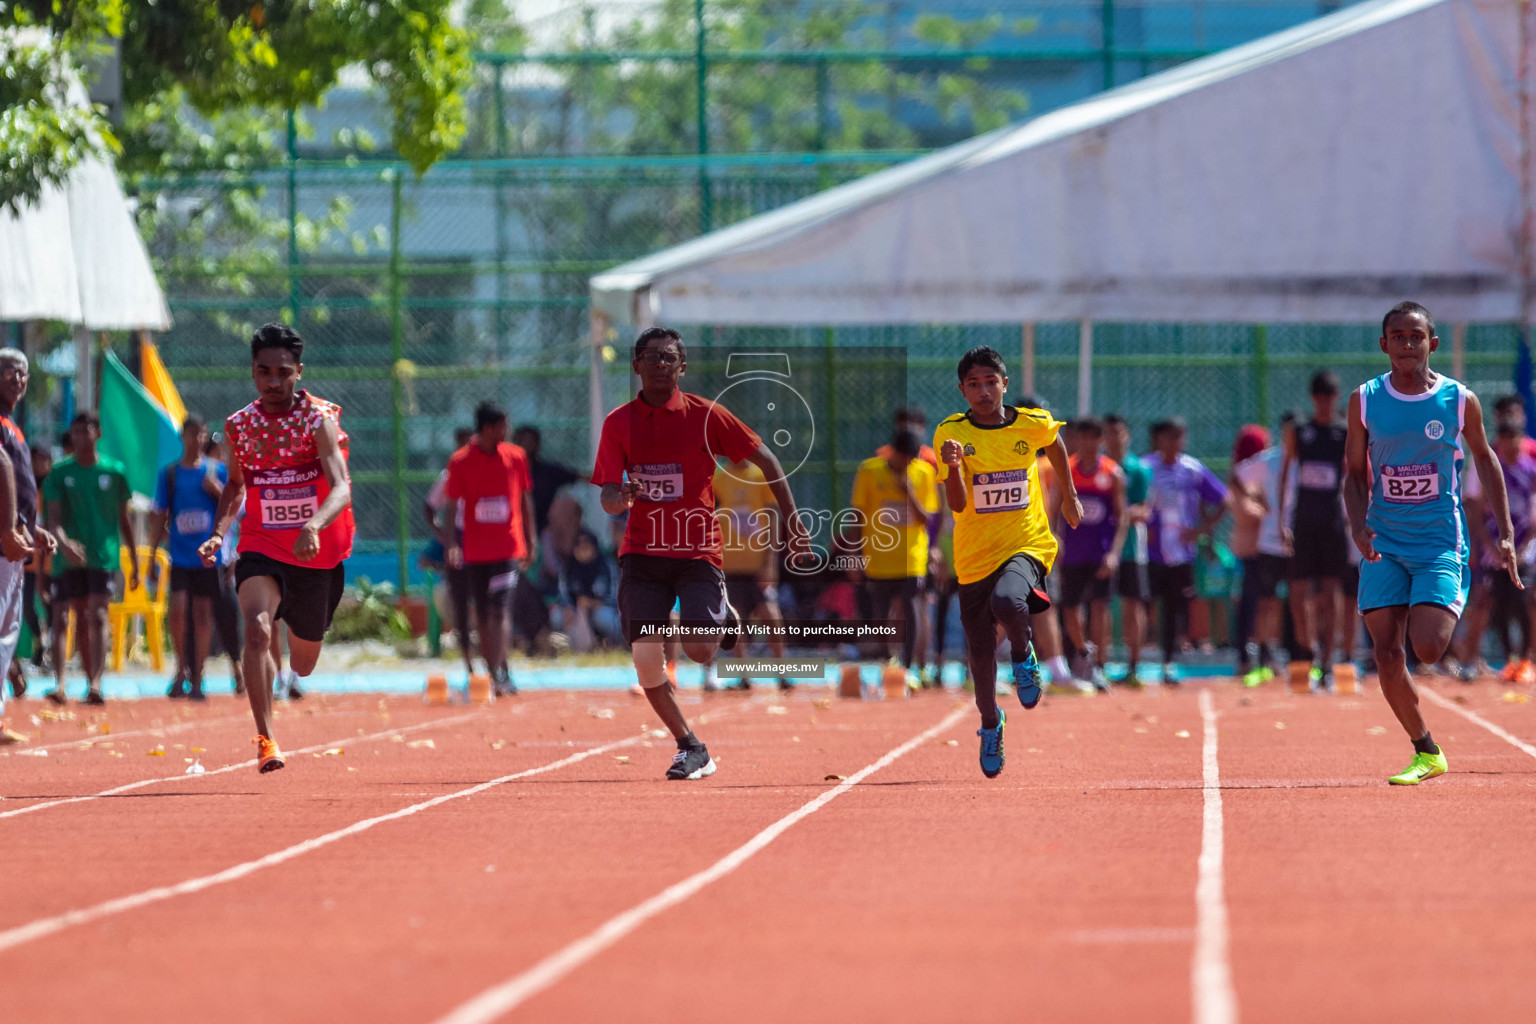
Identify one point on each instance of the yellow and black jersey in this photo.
(1004, 507)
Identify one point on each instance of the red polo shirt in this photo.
(671, 449)
(491, 486)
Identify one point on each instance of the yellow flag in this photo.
(159, 384)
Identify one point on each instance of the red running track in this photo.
(389, 882)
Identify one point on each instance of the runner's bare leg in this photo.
(259, 598)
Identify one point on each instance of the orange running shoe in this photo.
(268, 757)
(1526, 674)
(1508, 672)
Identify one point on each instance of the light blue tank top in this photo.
(1415, 460)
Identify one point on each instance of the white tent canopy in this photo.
(75, 254)
(1317, 175)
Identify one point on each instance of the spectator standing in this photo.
(18, 515)
(491, 477)
(1187, 501)
(87, 499)
(187, 495)
(548, 477)
(458, 587)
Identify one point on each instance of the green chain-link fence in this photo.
(421, 297)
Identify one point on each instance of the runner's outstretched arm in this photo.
(125, 529)
(1071, 508)
(229, 505)
(1122, 527)
(530, 531)
(16, 545)
(773, 473)
(1357, 481)
(954, 486)
(1492, 478)
(328, 443)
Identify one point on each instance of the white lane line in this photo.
(496, 1001)
(1215, 1001)
(157, 780)
(43, 927)
(109, 737)
(1473, 716)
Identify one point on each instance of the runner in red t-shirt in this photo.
(288, 466)
(656, 459)
(491, 479)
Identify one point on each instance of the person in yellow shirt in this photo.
(748, 516)
(894, 494)
(1004, 547)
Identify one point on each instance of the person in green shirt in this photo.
(87, 502)
(1131, 583)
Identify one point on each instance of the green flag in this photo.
(135, 429)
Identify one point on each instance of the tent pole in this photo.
(1029, 359)
(1459, 351)
(85, 371)
(1085, 366)
(598, 327)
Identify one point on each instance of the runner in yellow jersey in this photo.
(744, 499)
(1004, 547)
(894, 493)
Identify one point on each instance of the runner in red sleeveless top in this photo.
(288, 464)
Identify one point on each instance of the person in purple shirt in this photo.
(1186, 500)
(1496, 600)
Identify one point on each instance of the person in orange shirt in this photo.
(490, 478)
(748, 515)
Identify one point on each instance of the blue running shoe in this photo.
(1027, 681)
(992, 747)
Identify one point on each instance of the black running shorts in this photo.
(309, 596)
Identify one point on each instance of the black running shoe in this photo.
(786, 684)
(732, 628)
(177, 689)
(691, 764)
(501, 682)
(95, 697)
(196, 693)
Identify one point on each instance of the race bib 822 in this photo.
(1415, 484)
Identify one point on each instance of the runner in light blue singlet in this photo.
(1421, 530)
(1410, 431)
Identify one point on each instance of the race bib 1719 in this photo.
(1007, 491)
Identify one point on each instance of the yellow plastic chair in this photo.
(137, 604)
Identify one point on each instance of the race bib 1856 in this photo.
(286, 499)
(1416, 484)
(659, 481)
(1007, 491)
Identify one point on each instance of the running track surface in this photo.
(1209, 854)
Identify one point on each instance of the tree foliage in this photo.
(219, 58)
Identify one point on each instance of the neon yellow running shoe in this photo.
(1423, 766)
(1253, 677)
